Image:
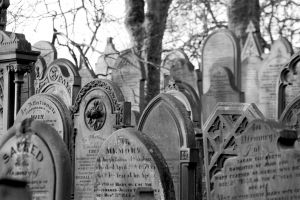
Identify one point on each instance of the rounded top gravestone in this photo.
(48, 51)
(34, 152)
(129, 161)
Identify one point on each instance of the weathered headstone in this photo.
(220, 49)
(60, 78)
(87, 74)
(98, 111)
(130, 76)
(221, 90)
(34, 152)
(266, 166)
(181, 69)
(166, 122)
(227, 121)
(106, 61)
(48, 51)
(290, 116)
(268, 76)
(251, 60)
(129, 160)
(50, 110)
(289, 83)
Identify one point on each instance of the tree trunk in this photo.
(146, 29)
(240, 12)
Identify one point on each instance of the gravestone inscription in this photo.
(129, 160)
(266, 167)
(220, 49)
(34, 152)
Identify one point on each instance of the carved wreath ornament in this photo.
(95, 115)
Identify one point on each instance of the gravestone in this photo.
(127, 162)
(220, 49)
(34, 152)
(166, 121)
(50, 110)
(48, 51)
(289, 83)
(60, 78)
(130, 77)
(221, 90)
(268, 76)
(106, 61)
(251, 60)
(227, 121)
(99, 110)
(181, 69)
(290, 116)
(266, 166)
(86, 73)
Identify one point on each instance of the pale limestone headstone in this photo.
(62, 79)
(48, 51)
(33, 151)
(220, 49)
(165, 120)
(268, 76)
(130, 76)
(99, 110)
(226, 122)
(221, 90)
(128, 161)
(106, 61)
(289, 83)
(266, 165)
(181, 69)
(251, 61)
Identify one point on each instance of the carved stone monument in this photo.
(266, 165)
(268, 76)
(251, 61)
(166, 122)
(220, 49)
(34, 152)
(129, 161)
(290, 116)
(227, 121)
(99, 110)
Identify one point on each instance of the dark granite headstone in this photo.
(268, 76)
(266, 166)
(227, 121)
(33, 151)
(127, 161)
(220, 49)
(98, 111)
(166, 122)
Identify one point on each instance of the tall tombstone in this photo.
(61, 78)
(220, 49)
(226, 122)
(99, 110)
(51, 110)
(266, 166)
(181, 69)
(281, 51)
(106, 61)
(221, 90)
(166, 121)
(33, 151)
(251, 60)
(289, 83)
(129, 161)
(130, 76)
(290, 116)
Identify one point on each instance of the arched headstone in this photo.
(33, 151)
(99, 110)
(268, 76)
(48, 51)
(60, 78)
(290, 116)
(166, 121)
(226, 122)
(220, 49)
(128, 161)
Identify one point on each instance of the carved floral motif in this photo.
(95, 115)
